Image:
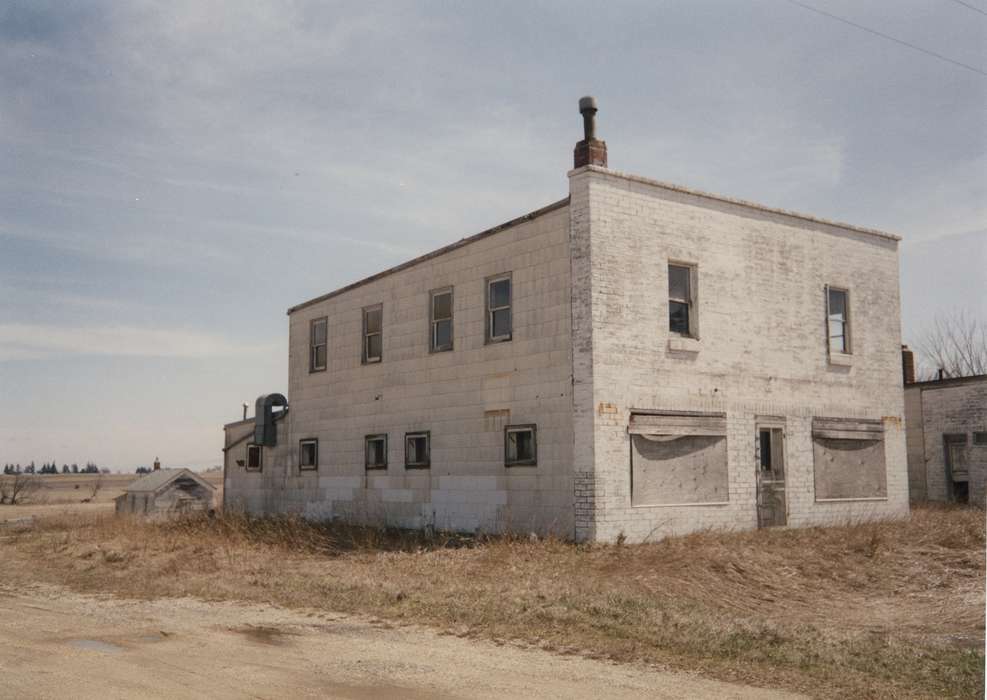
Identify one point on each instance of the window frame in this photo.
(312, 346)
(489, 337)
(847, 334)
(367, 439)
(260, 457)
(315, 465)
(518, 428)
(692, 317)
(364, 354)
(428, 449)
(979, 438)
(434, 347)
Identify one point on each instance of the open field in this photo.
(64, 494)
(892, 609)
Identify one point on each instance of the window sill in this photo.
(417, 466)
(683, 344)
(681, 505)
(865, 499)
(841, 359)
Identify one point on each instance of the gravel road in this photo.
(58, 644)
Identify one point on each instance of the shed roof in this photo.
(159, 478)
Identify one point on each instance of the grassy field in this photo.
(892, 609)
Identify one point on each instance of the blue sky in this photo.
(175, 175)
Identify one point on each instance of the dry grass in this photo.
(887, 609)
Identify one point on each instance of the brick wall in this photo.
(464, 398)
(957, 407)
(761, 348)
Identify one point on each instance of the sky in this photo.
(174, 175)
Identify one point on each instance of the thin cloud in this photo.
(37, 342)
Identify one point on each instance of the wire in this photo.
(975, 9)
(889, 38)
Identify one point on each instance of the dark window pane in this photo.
(373, 321)
(837, 304)
(318, 332)
(373, 347)
(678, 317)
(417, 450)
(308, 454)
(678, 283)
(520, 446)
(320, 356)
(441, 306)
(375, 453)
(253, 457)
(501, 323)
(765, 450)
(443, 334)
(500, 293)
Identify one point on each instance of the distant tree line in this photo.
(52, 468)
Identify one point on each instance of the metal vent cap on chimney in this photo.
(591, 150)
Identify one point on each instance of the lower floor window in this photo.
(308, 457)
(254, 457)
(376, 452)
(416, 450)
(520, 445)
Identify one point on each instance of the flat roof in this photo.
(739, 202)
(947, 382)
(564, 202)
(435, 253)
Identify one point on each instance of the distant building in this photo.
(166, 492)
(637, 359)
(946, 425)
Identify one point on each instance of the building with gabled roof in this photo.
(167, 492)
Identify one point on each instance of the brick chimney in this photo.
(589, 151)
(907, 365)
(157, 464)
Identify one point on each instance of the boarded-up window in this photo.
(848, 458)
(678, 458)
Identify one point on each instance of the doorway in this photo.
(772, 506)
(957, 469)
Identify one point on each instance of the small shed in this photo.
(167, 492)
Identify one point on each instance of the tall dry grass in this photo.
(880, 609)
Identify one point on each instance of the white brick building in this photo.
(636, 358)
(946, 423)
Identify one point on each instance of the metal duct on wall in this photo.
(265, 432)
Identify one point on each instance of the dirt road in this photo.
(59, 644)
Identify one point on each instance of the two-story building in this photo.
(637, 358)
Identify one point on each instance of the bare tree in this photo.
(956, 344)
(96, 485)
(18, 488)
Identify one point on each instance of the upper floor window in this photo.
(254, 457)
(308, 454)
(681, 299)
(520, 445)
(499, 308)
(376, 451)
(838, 319)
(373, 335)
(440, 318)
(318, 344)
(417, 450)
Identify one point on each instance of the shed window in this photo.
(440, 315)
(318, 336)
(308, 454)
(520, 445)
(254, 458)
(376, 452)
(499, 324)
(838, 320)
(681, 309)
(416, 450)
(373, 336)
